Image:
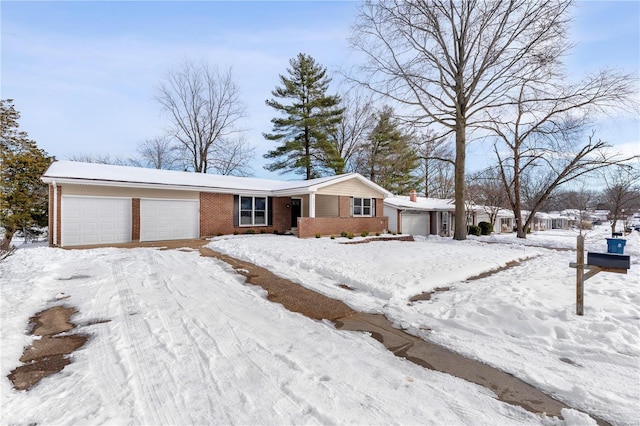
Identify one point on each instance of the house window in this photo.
(253, 211)
(362, 207)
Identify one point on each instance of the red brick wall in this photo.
(281, 214)
(216, 216)
(344, 206)
(309, 227)
(379, 207)
(135, 219)
(59, 219)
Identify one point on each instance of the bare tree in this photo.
(436, 165)
(622, 192)
(452, 61)
(231, 157)
(159, 153)
(204, 108)
(491, 194)
(358, 120)
(539, 133)
(100, 159)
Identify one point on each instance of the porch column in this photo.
(312, 204)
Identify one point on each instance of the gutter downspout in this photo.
(55, 214)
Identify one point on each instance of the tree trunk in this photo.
(460, 231)
(521, 227)
(5, 244)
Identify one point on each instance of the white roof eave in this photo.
(143, 185)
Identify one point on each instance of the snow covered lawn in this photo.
(521, 320)
(188, 343)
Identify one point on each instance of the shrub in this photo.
(275, 232)
(377, 234)
(344, 234)
(250, 231)
(486, 228)
(587, 225)
(236, 232)
(474, 230)
(350, 236)
(364, 234)
(333, 238)
(318, 235)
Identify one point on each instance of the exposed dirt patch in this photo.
(47, 355)
(50, 346)
(52, 321)
(510, 264)
(26, 376)
(427, 294)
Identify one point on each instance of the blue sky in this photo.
(84, 74)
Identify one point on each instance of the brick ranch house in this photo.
(105, 204)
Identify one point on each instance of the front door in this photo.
(296, 211)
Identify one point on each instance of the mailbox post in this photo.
(596, 262)
(580, 275)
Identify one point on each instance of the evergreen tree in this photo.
(24, 200)
(309, 119)
(388, 158)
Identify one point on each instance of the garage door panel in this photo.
(95, 220)
(415, 222)
(169, 219)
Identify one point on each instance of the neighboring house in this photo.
(419, 215)
(545, 221)
(106, 204)
(504, 220)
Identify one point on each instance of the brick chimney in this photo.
(413, 195)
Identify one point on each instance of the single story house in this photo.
(504, 219)
(106, 204)
(419, 215)
(546, 221)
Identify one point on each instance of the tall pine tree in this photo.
(388, 157)
(24, 198)
(310, 117)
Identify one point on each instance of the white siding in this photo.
(351, 188)
(326, 206)
(109, 191)
(392, 214)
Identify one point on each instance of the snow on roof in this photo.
(421, 203)
(107, 174)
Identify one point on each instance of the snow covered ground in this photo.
(188, 343)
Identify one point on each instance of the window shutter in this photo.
(236, 211)
(270, 211)
(351, 206)
(373, 207)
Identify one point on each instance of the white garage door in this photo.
(169, 219)
(95, 220)
(415, 222)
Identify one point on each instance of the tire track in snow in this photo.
(155, 402)
(108, 370)
(187, 338)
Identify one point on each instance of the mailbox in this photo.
(616, 245)
(609, 260)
